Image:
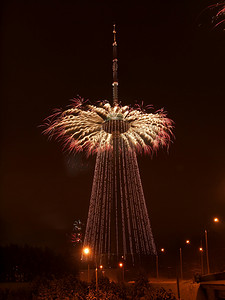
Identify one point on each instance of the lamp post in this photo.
(86, 252)
(215, 220)
(96, 277)
(121, 265)
(201, 256)
(187, 242)
(157, 262)
(102, 270)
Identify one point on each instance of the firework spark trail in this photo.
(219, 17)
(82, 127)
(127, 204)
(100, 196)
(99, 220)
(109, 205)
(145, 211)
(102, 226)
(137, 210)
(122, 209)
(139, 217)
(133, 214)
(96, 226)
(104, 195)
(76, 236)
(115, 191)
(107, 218)
(118, 222)
(217, 14)
(93, 204)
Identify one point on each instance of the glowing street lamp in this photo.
(201, 255)
(96, 277)
(187, 242)
(86, 252)
(215, 220)
(122, 267)
(157, 262)
(101, 267)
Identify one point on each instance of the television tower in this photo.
(115, 68)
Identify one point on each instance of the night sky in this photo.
(169, 56)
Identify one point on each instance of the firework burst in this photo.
(76, 236)
(219, 17)
(118, 223)
(91, 128)
(217, 14)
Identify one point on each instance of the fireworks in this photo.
(76, 238)
(90, 128)
(219, 17)
(76, 235)
(216, 13)
(118, 224)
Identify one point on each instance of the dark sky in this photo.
(53, 51)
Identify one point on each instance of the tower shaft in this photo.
(118, 225)
(115, 68)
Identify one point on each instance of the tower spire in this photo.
(114, 68)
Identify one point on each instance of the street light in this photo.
(122, 267)
(86, 252)
(187, 242)
(201, 255)
(96, 277)
(157, 262)
(215, 220)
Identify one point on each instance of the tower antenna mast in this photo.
(115, 68)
